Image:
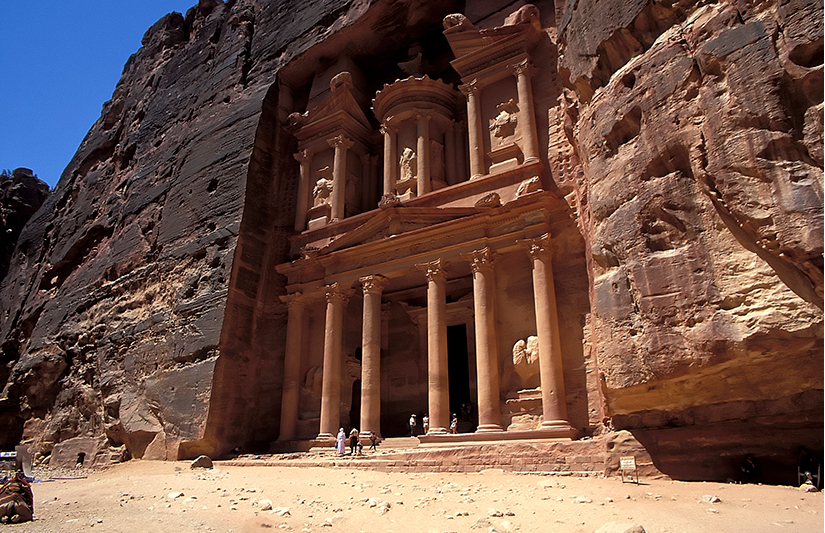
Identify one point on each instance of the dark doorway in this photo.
(459, 371)
(355, 410)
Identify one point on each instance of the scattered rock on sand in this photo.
(620, 527)
(202, 461)
(707, 498)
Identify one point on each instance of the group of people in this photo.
(425, 424)
(354, 442)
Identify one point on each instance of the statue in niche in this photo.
(504, 125)
(408, 164)
(314, 380)
(526, 362)
(416, 65)
(323, 188)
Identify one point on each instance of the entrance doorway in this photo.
(355, 409)
(459, 372)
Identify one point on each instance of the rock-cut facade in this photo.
(520, 221)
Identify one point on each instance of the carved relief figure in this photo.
(504, 125)
(408, 164)
(526, 361)
(323, 188)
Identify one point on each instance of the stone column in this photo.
(304, 157)
(333, 340)
(390, 159)
(547, 330)
(423, 176)
(527, 116)
(437, 365)
(475, 129)
(489, 410)
(450, 155)
(339, 175)
(371, 355)
(292, 364)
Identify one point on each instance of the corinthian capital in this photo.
(373, 284)
(538, 247)
(432, 269)
(336, 292)
(340, 140)
(480, 259)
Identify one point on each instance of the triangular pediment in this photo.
(396, 221)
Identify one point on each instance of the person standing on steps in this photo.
(340, 441)
(354, 442)
(425, 423)
(413, 423)
(373, 441)
(454, 424)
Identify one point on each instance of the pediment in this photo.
(395, 221)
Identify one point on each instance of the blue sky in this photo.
(59, 62)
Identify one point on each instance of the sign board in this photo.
(628, 468)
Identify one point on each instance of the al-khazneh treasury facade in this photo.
(429, 250)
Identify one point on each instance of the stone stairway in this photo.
(588, 457)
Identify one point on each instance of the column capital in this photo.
(482, 259)
(340, 140)
(421, 114)
(373, 284)
(469, 88)
(432, 269)
(386, 129)
(302, 155)
(294, 300)
(336, 292)
(522, 67)
(538, 247)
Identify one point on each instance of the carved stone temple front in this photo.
(427, 247)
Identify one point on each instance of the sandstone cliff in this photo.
(21, 194)
(141, 306)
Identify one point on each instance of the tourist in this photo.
(750, 471)
(373, 440)
(412, 425)
(425, 423)
(808, 467)
(354, 442)
(341, 441)
(454, 424)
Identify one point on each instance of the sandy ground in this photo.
(171, 497)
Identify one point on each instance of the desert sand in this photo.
(150, 496)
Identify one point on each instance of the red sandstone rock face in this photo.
(699, 131)
(21, 194)
(142, 304)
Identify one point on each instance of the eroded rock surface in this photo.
(141, 307)
(21, 194)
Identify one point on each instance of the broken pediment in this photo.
(394, 221)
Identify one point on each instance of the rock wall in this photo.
(21, 195)
(142, 303)
(699, 131)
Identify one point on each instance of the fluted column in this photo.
(390, 159)
(437, 365)
(547, 330)
(489, 410)
(304, 157)
(339, 175)
(371, 355)
(475, 129)
(423, 175)
(333, 338)
(292, 365)
(527, 115)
